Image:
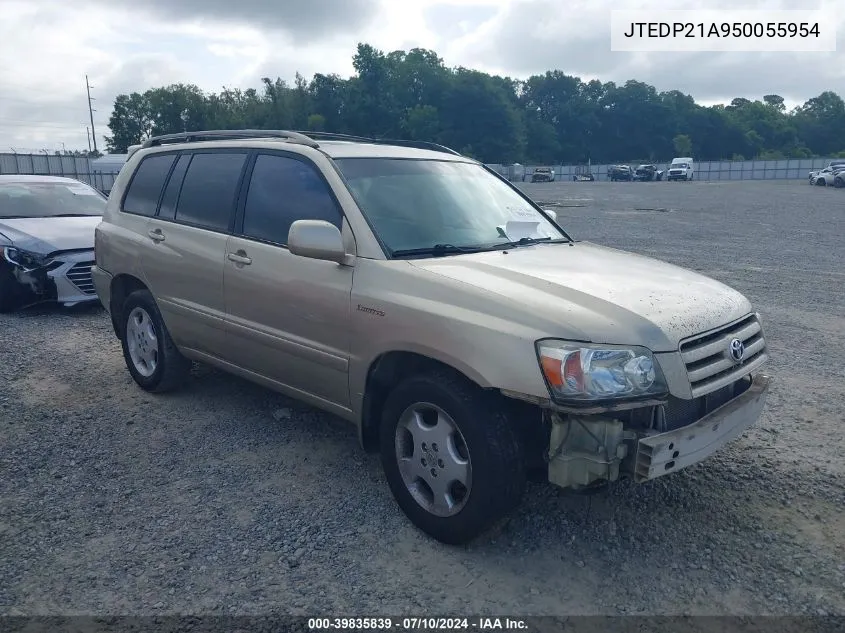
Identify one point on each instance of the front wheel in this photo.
(150, 354)
(452, 460)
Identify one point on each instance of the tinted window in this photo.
(145, 188)
(171, 192)
(283, 190)
(209, 188)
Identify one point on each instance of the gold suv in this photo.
(422, 297)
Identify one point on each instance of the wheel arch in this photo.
(121, 287)
(385, 372)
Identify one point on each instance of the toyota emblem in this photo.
(737, 349)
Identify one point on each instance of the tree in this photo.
(548, 118)
(682, 144)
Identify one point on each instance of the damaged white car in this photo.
(47, 228)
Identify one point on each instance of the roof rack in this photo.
(304, 138)
(331, 136)
(222, 135)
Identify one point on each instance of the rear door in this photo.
(187, 244)
(288, 316)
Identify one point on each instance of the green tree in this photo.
(683, 145)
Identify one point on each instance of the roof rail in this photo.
(331, 136)
(222, 135)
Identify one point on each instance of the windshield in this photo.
(418, 204)
(49, 199)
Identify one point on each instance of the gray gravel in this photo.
(226, 498)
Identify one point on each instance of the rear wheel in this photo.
(820, 182)
(149, 352)
(839, 182)
(452, 460)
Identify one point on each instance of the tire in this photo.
(164, 368)
(475, 438)
(839, 182)
(820, 182)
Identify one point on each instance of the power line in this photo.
(91, 112)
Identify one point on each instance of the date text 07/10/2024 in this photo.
(416, 624)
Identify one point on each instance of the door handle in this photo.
(156, 235)
(240, 258)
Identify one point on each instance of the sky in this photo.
(48, 46)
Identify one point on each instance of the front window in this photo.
(422, 204)
(49, 199)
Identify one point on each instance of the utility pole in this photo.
(88, 134)
(91, 114)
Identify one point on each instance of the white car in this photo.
(681, 169)
(827, 176)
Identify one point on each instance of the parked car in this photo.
(585, 177)
(620, 172)
(681, 169)
(47, 240)
(424, 298)
(647, 173)
(543, 174)
(827, 175)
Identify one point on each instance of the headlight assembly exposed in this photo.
(586, 373)
(23, 259)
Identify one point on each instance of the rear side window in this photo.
(145, 188)
(281, 191)
(171, 193)
(208, 191)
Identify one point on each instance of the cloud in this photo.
(299, 21)
(532, 36)
(125, 47)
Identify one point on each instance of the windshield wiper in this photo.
(526, 241)
(438, 250)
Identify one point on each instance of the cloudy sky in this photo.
(47, 47)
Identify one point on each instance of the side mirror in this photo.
(316, 239)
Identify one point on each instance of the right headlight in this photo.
(586, 373)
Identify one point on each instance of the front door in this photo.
(288, 317)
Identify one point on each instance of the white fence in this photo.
(78, 167)
(790, 169)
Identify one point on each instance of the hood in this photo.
(48, 235)
(598, 294)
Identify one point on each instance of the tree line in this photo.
(551, 118)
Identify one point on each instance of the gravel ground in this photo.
(225, 498)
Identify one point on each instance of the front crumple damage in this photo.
(34, 284)
(586, 451)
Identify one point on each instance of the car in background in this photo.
(620, 172)
(47, 228)
(827, 176)
(647, 173)
(543, 174)
(681, 169)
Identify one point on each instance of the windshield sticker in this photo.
(81, 191)
(522, 213)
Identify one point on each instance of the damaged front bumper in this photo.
(63, 277)
(589, 450)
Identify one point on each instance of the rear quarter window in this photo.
(146, 185)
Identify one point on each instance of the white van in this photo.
(681, 169)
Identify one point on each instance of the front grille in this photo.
(708, 358)
(80, 276)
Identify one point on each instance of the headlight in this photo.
(585, 373)
(24, 259)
